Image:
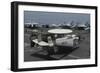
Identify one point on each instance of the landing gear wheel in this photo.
(76, 43)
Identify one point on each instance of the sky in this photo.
(54, 17)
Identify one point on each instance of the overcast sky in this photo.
(54, 17)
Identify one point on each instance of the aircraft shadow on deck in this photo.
(56, 56)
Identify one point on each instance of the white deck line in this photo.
(74, 56)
